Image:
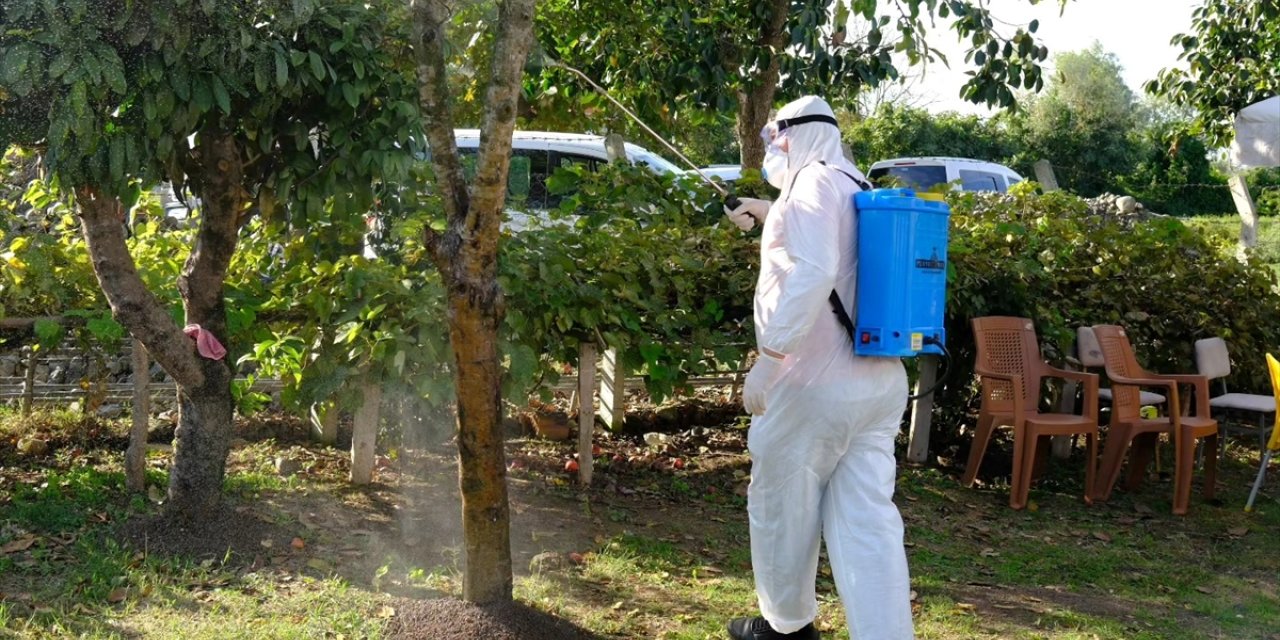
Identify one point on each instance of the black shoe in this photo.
(758, 629)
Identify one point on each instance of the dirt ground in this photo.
(679, 483)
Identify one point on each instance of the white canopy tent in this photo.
(1257, 142)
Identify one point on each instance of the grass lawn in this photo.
(654, 549)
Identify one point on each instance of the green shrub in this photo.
(637, 261)
(1046, 258)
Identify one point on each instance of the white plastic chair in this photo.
(1214, 362)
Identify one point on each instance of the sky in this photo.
(1136, 31)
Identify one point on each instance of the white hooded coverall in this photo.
(823, 450)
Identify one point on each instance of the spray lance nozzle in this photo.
(731, 201)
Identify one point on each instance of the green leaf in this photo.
(317, 65)
(349, 92)
(61, 64)
(48, 332)
(220, 94)
(105, 329)
(201, 94)
(282, 70)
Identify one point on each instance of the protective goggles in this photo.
(776, 129)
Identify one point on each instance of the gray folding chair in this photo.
(1242, 412)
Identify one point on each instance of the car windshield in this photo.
(655, 161)
(913, 176)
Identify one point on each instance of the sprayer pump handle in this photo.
(732, 202)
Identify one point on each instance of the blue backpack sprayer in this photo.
(902, 264)
(902, 277)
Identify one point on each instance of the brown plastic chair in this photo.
(1129, 427)
(1011, 371)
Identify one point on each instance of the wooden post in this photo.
(135, 457)
(615, 147)
(29, 382)
(922, 411)
(1061, 445)
(1044, 175)
(364, 434)
(1248, 211)
(324, 422)
(613, 389)
(586, 411)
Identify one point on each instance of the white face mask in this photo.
(775, 167)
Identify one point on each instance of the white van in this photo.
(923, 173)
(535, 155)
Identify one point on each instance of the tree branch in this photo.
(131, 302)
(223, 194)
(429, 19)
(515, 35)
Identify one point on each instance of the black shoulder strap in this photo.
(842, 316)
(837, 305)
(862, 184)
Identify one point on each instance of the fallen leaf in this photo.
(319, 564)
(989, 553)
(1238, 532)
(386, 612)
(1203, 589)
(268, 543)
(19, 544)
(1102, 536)
(298, 543)
(117, 594)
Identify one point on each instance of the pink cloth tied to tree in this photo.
(206, 343)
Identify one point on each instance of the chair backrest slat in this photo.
(1212, 359)
(1117, 353)
(1008, 345)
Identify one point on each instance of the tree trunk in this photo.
(466, 253)
(200, 447)
(755, 102)
(203, 436)
(206, 411)
(486, 519)
(135, 457)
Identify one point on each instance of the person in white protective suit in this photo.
(823, 420)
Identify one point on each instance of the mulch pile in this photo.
(449, 619)
(233, 529)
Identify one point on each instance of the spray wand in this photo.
(730, 201)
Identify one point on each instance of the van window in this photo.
(560, 160)
(519, 177)
(981, 181)
(526, 175)
(916, 177)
